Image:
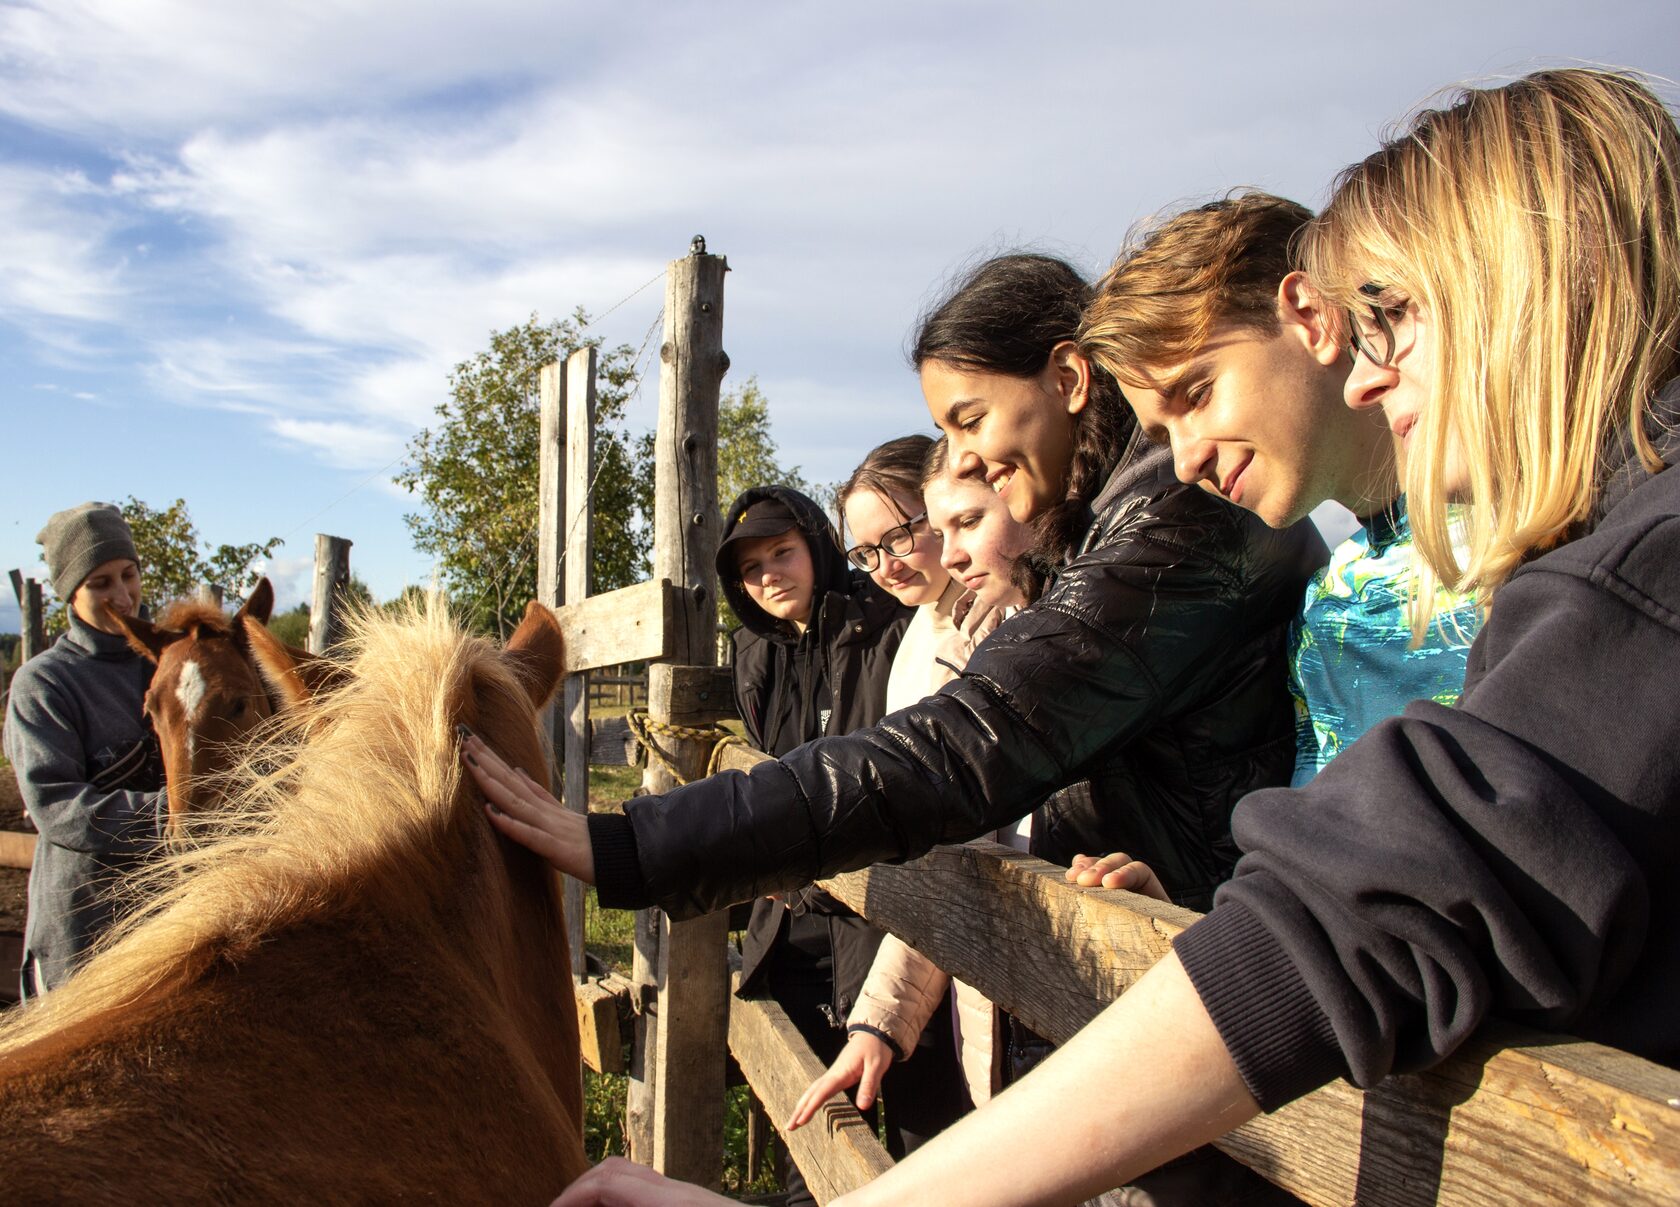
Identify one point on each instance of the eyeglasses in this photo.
(1372, 333)
(895, 542)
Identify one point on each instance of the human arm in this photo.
(74, 805)
(1168, 1086)
(1129, 634)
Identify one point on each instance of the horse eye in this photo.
(239, 708)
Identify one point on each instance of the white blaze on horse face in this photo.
(190, 688)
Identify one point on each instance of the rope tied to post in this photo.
(645, 727)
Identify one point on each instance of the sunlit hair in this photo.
(1007, 315)
(1179, 277)
(1537, 228)
(892, 470)
(356, 802)
(938, 457)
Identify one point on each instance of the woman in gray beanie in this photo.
(86, 761)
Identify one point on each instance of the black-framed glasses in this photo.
(895, 542)
(1371, 333)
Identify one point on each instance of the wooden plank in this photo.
(32, 617)
(836, 1151)
(706, 694)
(332, 579)
(1513, 1116)
(580, 522)
(741, 758)
(693, 1008)
(17, 850)
(603, 1003)
(612, 744)
(551, 486)
(631, 624)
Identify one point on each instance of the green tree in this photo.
(292, 626)
(172, 562)
(746, 450)
(475, 474)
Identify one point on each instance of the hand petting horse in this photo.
(355, 992)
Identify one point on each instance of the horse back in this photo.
(342, 1064)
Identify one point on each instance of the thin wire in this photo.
(522, 368)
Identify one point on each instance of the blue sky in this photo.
(241, 246)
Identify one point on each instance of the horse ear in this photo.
(293, 676)
(537, 651)
(144, 638)
(259, 605)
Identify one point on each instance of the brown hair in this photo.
(893, 468)
(1178, 278)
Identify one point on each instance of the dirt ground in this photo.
(14, 882)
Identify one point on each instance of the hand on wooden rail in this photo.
(524, 810)
(1117, 870)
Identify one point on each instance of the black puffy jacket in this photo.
(1154, 666)
(791, 688)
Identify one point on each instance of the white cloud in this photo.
(55, 263)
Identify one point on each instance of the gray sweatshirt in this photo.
(87, 766)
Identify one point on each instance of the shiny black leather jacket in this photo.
(1153, 666)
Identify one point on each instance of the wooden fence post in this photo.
(210, 593)
(682, 1126)
(564, 553)
(332, 579)
(33, 628)
(32, 617)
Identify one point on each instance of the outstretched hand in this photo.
(862, 1062)
(616, 1182)
(525, 811)
(1118, 870)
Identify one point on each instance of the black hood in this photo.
(833, 571)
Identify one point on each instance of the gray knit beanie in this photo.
(78, 540)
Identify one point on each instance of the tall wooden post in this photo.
(564, 555)
(33, 618)
(210, 593)
(691, 1016)
(332, 580)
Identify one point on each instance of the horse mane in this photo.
(187, 615)
(355, 802)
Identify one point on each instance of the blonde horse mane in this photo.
(353, 802)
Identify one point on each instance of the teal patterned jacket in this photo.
(1352, 663)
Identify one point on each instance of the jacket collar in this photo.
(89, 642)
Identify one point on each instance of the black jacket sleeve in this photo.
(1124, 633)
(1498, 857)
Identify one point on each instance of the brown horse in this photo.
(206, 696)
(357, 992)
